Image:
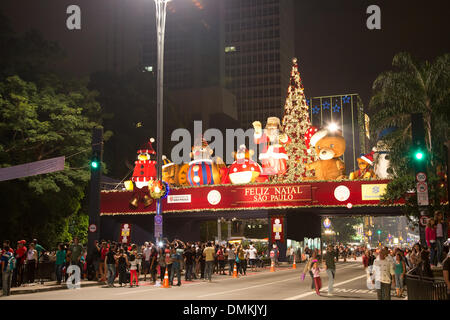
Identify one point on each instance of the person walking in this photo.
(330, 268)
(316, 274)
(76, 250)
(209, 254)
(102, 267)
(8, 263)
(384, 274)
(307, 269)
(60, 262)
(430, 237)
(231, 257)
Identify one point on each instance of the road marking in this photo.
(246, 288)
(336, 285)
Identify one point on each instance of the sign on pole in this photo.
(158, 226)
(422, 194)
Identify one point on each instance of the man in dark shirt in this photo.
(189, 262)
(331, 268)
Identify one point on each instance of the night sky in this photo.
(337, 53)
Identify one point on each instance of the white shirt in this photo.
(252, 252)
(384, 270)
(439, 231)
(147, 252)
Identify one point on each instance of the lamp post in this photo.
(161, 6)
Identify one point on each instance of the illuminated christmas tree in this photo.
(297, 126)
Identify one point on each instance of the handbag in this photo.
(237, 259)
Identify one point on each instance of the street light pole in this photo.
(161, 6)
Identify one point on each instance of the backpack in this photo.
(11, 262)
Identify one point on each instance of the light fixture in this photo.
(333, 127)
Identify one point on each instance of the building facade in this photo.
(258, 47)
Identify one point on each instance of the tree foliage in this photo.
(414, 87)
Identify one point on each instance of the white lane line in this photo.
(246, 288)
(336, 285)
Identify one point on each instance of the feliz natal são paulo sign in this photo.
(348, 194)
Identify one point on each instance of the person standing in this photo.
(400, 271)
(110, 262)
(384, 274)
(307, 269)
(176, 256)
(31, 263)
(231, 256)
(122, 263)
(189, 262)
(162, 264)
(133, 270)
(76, 251)
(446, 271)
(146, 259)
(7, 266)
(221, 259)
(21, 256)
(60, 262)
(441, 236)
(209, 255)
(240, 259)
(430, 237)
(153, 263)
(253, 255)
(331, 268)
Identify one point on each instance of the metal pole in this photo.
(219, 230)
(161, 6)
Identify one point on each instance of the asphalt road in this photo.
(284, 284)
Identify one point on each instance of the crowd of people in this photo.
(110, 260)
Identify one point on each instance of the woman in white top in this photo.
(32, 261)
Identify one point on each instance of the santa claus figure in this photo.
(144, 175)
(274, 156)
(244, 170)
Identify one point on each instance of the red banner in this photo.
(350, 194)
(277, 228)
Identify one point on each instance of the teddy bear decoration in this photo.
(329, 145)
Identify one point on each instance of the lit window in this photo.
(148, 69)
(230, 49)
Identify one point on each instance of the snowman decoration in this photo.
(382, 161)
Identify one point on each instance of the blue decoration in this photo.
(307, 102)
(167, 190)
(315, 110)
(346, 99)
(326, 105)
(336, 108)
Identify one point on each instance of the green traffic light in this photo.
(379, 231)
(419, 155)
(94, 164)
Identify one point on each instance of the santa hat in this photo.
(147, 148)
(368, 157)
(308, 135)
(319, 134)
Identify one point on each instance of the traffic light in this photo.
(379, 232)
(95, 160)
(418, 149)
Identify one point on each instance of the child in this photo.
(316, 273)
(122, 264)
(133, 270)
